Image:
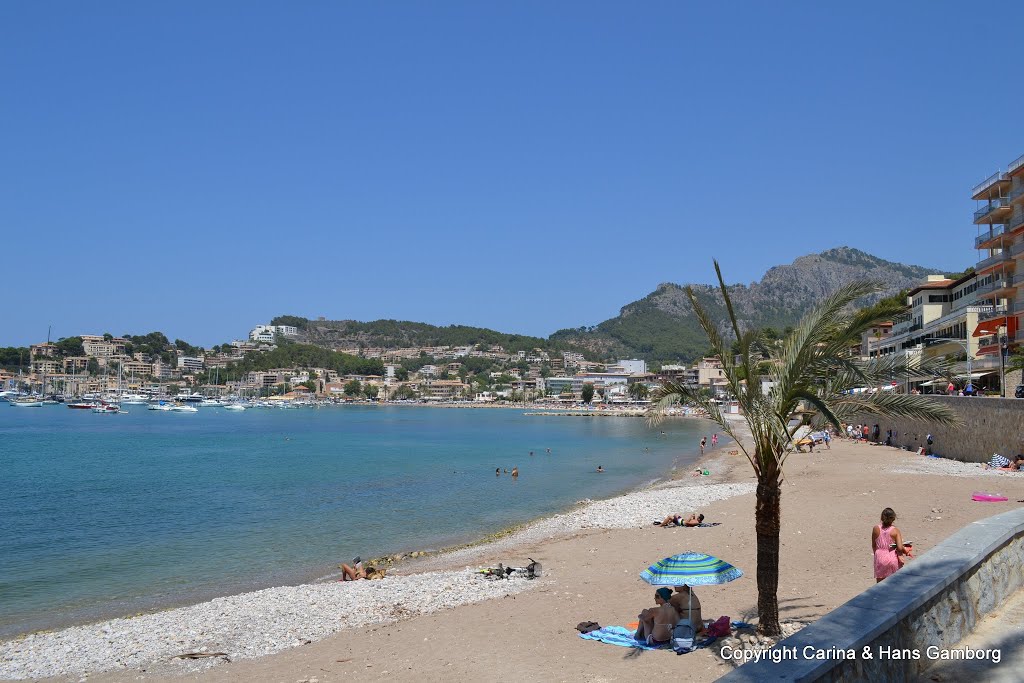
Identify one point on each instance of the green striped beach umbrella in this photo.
(690, 569)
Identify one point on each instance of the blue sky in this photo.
(198, 168)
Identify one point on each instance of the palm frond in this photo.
(890, 404)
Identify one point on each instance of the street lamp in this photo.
(963, 344)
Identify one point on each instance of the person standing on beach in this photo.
(703, 443)
(714, 439)
(887, 545)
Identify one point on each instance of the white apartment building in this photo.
(1000, 241)
(190, 363)
(267, 333)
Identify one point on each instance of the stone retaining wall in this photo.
(936, 600)
(991, 425)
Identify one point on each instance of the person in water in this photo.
(600, 469)
(656, 622)
(497, 471)
(887, 546)
(515, 472)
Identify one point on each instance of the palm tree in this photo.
(812, 367)
(638, 391)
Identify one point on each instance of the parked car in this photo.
(1019, 392)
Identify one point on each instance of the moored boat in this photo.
(27, 403)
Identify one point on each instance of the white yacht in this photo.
(182, 408)
(133, 399)
(234, 406)
(26, 402)
(211, 403)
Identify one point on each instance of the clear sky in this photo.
(198, 168)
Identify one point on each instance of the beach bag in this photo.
(533, 570)
(682, 638)
(720, 628)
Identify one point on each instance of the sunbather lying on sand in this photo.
(679, 520)
(349, 573)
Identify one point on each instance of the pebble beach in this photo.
(591, 554)
(263, 622)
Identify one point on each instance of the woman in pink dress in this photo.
(887, 545)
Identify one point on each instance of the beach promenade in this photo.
(831, 499)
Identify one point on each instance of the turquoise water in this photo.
(106, 515)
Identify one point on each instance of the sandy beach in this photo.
(406, 627)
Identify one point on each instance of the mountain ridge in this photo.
(660, 326)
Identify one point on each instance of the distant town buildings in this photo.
(268, 333)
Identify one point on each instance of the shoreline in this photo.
(446, 567)
(506, 519)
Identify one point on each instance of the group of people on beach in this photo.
(704, 442)
(1004, 464)
(656, 623)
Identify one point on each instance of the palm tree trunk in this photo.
(767, 522)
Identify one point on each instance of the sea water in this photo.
(109, 515)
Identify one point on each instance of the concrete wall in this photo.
(936, 600)
(991, 425)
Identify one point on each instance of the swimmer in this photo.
(515, 472)
(497, 472)
(600, 469)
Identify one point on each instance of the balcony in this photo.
(1016, 194)
(994, 212)
(997, 311)
(1015, 223)
(997, 288)
(995, 181)
(1015, 164)
(1017, 249)
(994, 260)
(992, 238)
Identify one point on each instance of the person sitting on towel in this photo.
(656, 623)
(687, 606)
(679, 520)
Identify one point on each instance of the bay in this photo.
(109, 515)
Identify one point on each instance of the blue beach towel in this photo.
(618, 635)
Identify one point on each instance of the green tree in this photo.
(371, 391)
(70, 346)
(93, 366)
(638, 391)
(404, 392)
(311, 385)
(353, 388)
(401, 374)
(295, 321)
(588, 392)
(814, 367)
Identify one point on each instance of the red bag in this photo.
(721, 627)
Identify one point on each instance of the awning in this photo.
(976, 375)
(992, 326)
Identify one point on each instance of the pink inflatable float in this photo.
(982, 497)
